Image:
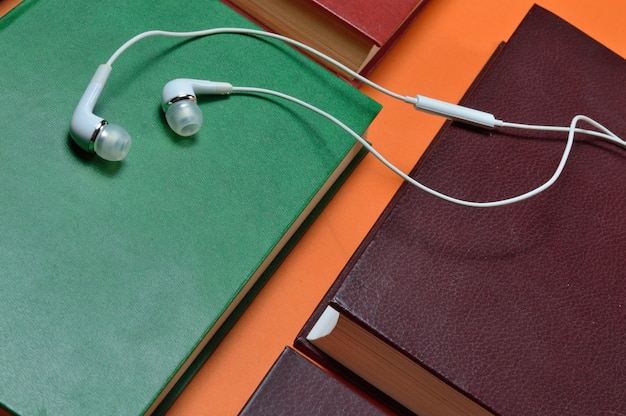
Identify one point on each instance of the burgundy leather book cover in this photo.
(295, 386)
(381, 21)
(377, 19)
(522, 307)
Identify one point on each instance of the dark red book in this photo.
(357, 33)
(295, 386)
(515, 310)
(379, 20)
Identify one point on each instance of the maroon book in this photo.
(514, 310)
(357, 33)
(295, 386)
(379, 20)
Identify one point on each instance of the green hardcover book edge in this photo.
(113, 274)
(249, 297)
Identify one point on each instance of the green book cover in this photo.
(115, 275)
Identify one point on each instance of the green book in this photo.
(116, 276)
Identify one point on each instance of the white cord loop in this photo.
(429, 105)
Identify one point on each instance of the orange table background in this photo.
(438, 56)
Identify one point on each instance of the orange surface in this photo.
(6, 5)
(438, 56)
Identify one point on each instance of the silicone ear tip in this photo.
(113, 143)
(184, 117)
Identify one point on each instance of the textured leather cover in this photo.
(377, 19)
(520, 307)
(295, 386)
(370, 23)
(114, 274)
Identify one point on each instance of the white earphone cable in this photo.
(604, 133)
(570, 140)
(241, 31)
(608, 135)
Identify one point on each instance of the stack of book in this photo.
(515, 310)
(119, 279)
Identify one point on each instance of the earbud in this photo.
(93, 133)
(179, 102)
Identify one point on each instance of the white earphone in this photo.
(93, 133)
(179, 102)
